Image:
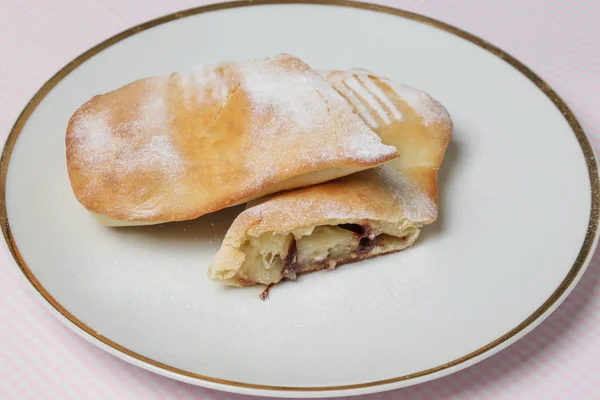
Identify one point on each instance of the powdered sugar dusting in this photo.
(203, 83)
(292, 107)
(431, 111)
(142, 143)
(285, 212)
(286, 95)
(93, 132)
(417, 206)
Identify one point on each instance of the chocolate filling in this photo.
(358, 229)
(265, 294)
(290, 262)
(366, 244)
(367, 241)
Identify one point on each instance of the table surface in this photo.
(40, 358)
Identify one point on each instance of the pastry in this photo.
(175, 147)
(363, 215)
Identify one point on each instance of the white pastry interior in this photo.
(273, 256)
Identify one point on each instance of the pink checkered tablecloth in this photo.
(42, 359)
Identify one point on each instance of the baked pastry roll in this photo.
(175, 147)
(364, 215)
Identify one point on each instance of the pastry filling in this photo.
(272, 257)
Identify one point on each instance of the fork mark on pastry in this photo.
(368, 99)
(373, 88)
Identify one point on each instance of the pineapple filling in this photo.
(270, 257)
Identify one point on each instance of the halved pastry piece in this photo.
(175, 147)
(363, 215)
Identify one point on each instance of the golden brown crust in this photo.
(357, 198)
(176, 147)
(398, 195)
(421, 135)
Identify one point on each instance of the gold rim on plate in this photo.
(569, 280)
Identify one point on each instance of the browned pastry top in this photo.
(176, 147)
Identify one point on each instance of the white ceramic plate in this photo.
(519, 212)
